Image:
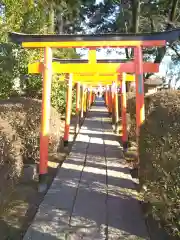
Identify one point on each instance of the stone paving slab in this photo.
(93, 196)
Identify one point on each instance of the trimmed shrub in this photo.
(159, 148)
(11, 162)
(19, 139)
(24, 117)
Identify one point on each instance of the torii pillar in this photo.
(140, 112)
(78, 92)
(68, 110)
(45, 118)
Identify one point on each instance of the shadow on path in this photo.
(93, 195)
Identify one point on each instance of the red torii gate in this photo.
(136, 41)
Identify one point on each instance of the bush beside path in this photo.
(159, 146)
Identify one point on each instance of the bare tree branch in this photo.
(152, 24)
(175, 50)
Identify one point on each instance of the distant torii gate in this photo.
(96, 72)
(136, 41)
(81, 73)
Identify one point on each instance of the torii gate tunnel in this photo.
(91, 68)
(92, 73)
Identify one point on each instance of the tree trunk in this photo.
(51, 19)
(162, 51)
(135, 29)
(173, 13)
(60, 23)
(135, 15)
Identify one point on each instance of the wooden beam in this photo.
(93, 68)
(130, 67)
(97, 44)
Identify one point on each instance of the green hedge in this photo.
(20, 120)
(159, 147)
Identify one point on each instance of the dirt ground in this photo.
(24, 201)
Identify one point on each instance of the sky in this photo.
(98, 1)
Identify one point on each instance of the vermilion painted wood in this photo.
(110, 100)
(123, 109)
(77, 98)
(90, 97)
(46, 105)
(85, 69)
(68, 109)
(116, 105)
(113, 100)
(130, 67)
(140, 114)
(82, 101)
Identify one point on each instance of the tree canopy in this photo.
(80, 16)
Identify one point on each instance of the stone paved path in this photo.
(93, 195)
